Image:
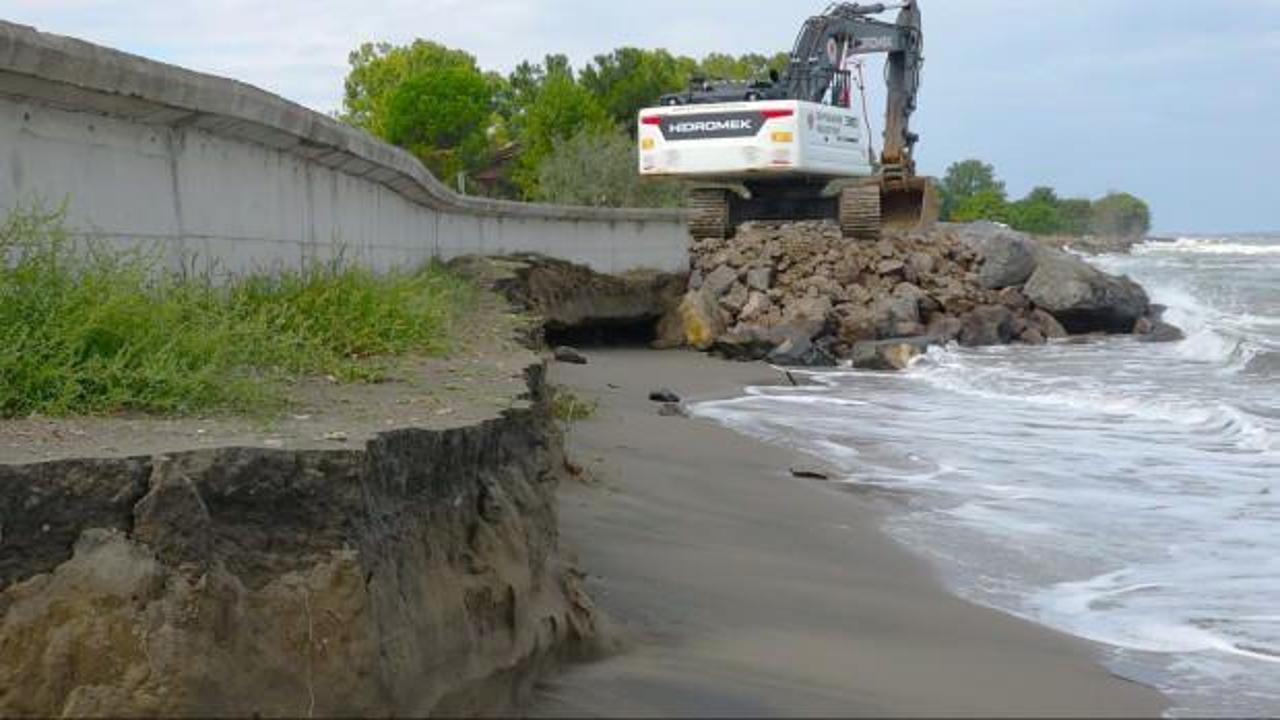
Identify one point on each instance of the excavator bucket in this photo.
(909, 204)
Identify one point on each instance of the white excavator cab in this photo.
(795, 147)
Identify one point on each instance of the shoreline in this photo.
(738, 590)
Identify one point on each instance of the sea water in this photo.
(1122, 492)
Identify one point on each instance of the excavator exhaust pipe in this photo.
(909, 204)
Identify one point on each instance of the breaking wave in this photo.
(1208, 246)
(1123, 492)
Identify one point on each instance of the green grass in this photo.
(88, 331)
(568, 407)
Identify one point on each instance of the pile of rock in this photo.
(800, 294)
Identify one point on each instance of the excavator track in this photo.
(710, 214)
(859, 212)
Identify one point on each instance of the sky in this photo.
(1175, 101)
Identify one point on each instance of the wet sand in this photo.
(738, 590)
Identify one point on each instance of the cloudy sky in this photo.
(1174, 100)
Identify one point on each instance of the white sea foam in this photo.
(1207, 246)
(1123, 492)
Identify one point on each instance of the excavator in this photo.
(794, 147)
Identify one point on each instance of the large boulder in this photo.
(945, 328)
(809, 316)
(760, 279)
(856, 323)
(1048, 325)
(719, 281)
(1157, 331)
(1008, 260)
(799, 351)
(736, 298)
(696, 322)
(987, 325)
(747, 343)
(890, 354)
(898, 315)
(1083, 298)
(758, 306)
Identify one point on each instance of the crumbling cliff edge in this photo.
(418, 574)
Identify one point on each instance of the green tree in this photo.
(1037, 217)
(561, 109)
(425, 97)
(1038, 213)
(629, 79)
(1120, 214)
(1076, 215)
(987, 204)
(377, 69)
(598, 168)
(1042, 194)
(526, 82)
(441, 117)
(967, 180)
(745, 67)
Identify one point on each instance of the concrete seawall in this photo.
(214, 171)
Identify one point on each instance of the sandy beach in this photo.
(738, 590)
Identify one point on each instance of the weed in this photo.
(568, 407)
(88, 330)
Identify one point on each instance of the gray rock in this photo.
(796, 350)
(945, 328)
(891, 267)
(809, 316)
(758, 304)
(570, 356)
(897, 315)
(811, 472)
(1008, 259)
(890, 354)
(987, 325)
(1033, 336)
(736, 298)
(857, 324)
(1161, 332)
(720, 281)
(696, 322)
(746, 343)
(920, 264)
(1048, 325)
(1013, 299)
(665, 395)
(1083, 298)
(760, 279)
(673, 410)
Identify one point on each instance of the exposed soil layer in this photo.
(574, 305)
(401, 568)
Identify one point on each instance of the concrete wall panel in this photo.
(216, 173)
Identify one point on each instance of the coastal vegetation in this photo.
(85, 329)
(972, 191)
(549, 132)
(461, 120)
